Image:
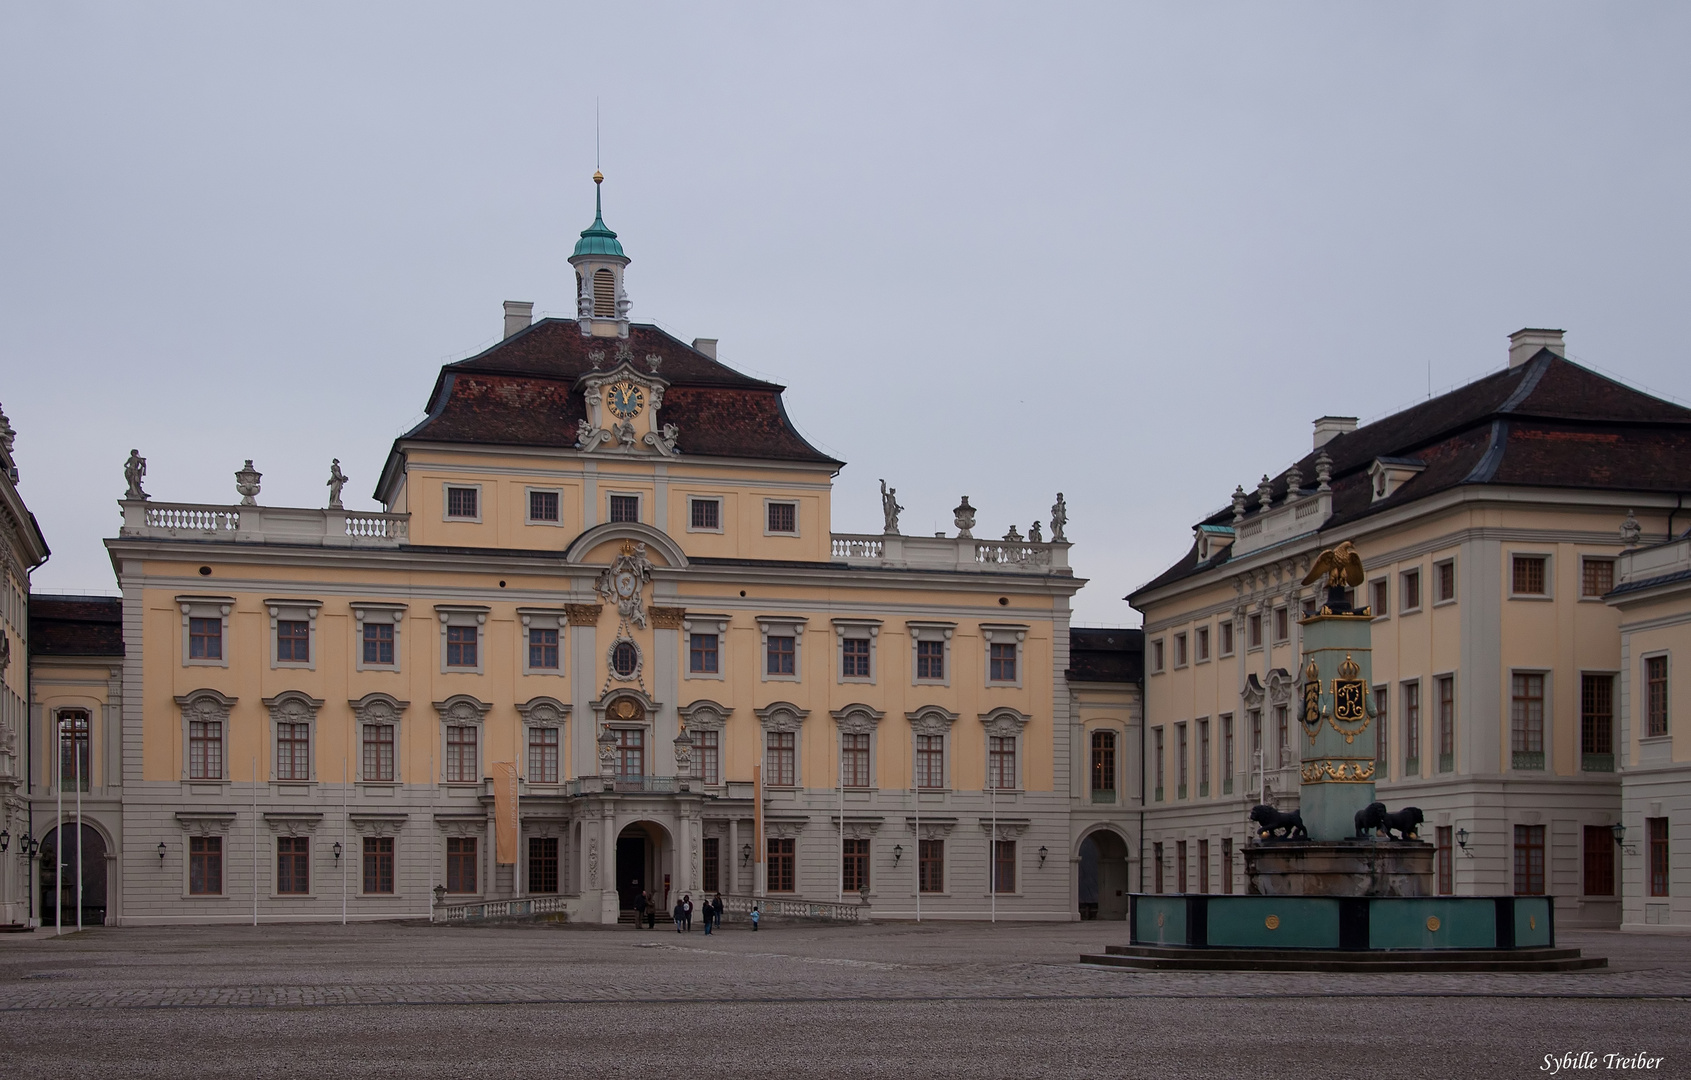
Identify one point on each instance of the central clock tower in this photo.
(622, 409)
(601, 301)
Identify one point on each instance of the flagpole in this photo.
(59, 843)
(992, 853)
(347, 856)
(916, 790)
(840, 881)
(76, 767)
(255, 841)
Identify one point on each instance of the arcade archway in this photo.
(1103, 876)
(89, 892)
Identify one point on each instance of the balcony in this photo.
(1532, 760)
(1104, 796)
(1597, 763)
(1447, 763)
(950, 553)
(622, 785)
(151, 520)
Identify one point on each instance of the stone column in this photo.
(1336, 730)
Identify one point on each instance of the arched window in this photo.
(604, 294)
(626, 658)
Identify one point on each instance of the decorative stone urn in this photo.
(246, 483)
(964, 515)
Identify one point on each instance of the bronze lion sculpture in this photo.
(1270, 821)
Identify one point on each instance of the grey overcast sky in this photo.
(1127, 251)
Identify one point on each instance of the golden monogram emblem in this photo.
(1350, 701)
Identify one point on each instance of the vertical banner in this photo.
(505, 812)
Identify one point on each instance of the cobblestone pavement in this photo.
(948, 1000)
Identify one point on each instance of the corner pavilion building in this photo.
(604, 568)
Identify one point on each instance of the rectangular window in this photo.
(461, 765)
(930, 659)
(625, 508)
(1597, 577)
(1157, 655)
(1282, 734)
(293, 641)
(702, 653)
(1657, 830)
(930, 761)
(1001, 761)
(1526, 722)
(706, 513)
(378, 865)
(378, 752)
(1256, 738)
(1599, 860)
(73, 750)
(854, 658)
(461, 646)
(1180, 650)
(1656, 696)
(1445, 860)
(783, 517)
(1597, 723)
(1227, 639)
(1446, 688)
(1382, 730)
(855, 865)
(1254, 631)
(205, 750)
(1282, 625)
(931, 869)
(543, 506)
(1381, 593)
(1004, 866)
(378, 643)
(1180, 766)
(205, 639)
(780, 876)
(1529, 575)
(1180, 866)
(543, 755)
(1529, 860)
(780, 655)
(709, 748)
(293, 751)
(461, 502)
(1003, 662)
(854, 760)
(1411, 590)
(1227, 759)
(713, 864)
(778, 758)
(1103, 766)
(1157, 753)
(1201, 643)
(1203, 866)
(1157, 861)
(1203, 758)
(205, 865)
(1227, 865)
(461, 864)
(1446, 575)
(631, 754)
(543, 864)
(293, 865)
(542, 649)
(1412, 729)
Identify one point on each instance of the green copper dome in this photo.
(597, 239)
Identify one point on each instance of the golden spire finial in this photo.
(598, 177)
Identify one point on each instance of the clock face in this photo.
(625, 584)
(625, 399)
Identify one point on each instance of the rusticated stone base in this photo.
(1340, 868)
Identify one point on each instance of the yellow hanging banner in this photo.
(505, 827)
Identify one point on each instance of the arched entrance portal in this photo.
(90, 893)
(643, 865)
(1103, 876)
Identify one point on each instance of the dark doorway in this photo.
(631, 869)
(1103, 876)
(90, 892)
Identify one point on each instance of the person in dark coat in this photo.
(686, 911)
(651, 911)
(639, 908)
(716, 911)
(677, 913)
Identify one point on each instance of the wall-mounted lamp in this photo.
(162, 850)
(28, 846)
(1042, 853)
(5, 839)
(745, 854)
(1620, 839)
(897, 853)
(1462, 839)
(337, 851)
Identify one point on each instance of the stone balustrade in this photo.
(149, 519)
(951, 553)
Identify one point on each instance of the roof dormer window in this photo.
(1387, 474)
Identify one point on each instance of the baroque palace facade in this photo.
(602, 599)
(1526, 570)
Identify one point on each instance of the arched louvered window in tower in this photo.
(604, 294)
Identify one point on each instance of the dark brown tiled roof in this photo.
(521, 393)
(75, 625)
(1547, 423)
(1106, 656)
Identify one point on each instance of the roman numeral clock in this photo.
(622, 409)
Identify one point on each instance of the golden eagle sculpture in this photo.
(1342, 565)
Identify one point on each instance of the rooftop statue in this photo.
(133, 471)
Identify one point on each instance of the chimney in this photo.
(1524, 345)
(518, 315)
(706, 345)
(1329, 426)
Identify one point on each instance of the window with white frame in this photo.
(856, 640)
(205, 729)
(931, 729)
(705, 637)
(1157, 656)
(1003, 749)
(704, 514)
(781, 725)
(781, 517)
(623, 507)
(545, 506)
(857, 724)
(1225, 630)
(542, 642)
(461, 631)
(377, 716)
(1201, 644)
(1003, 653)
(293, 633)
(1444, 581)
(462, 502)
(461, 724)
(1180, 650)
(930, 647)
(543, 723)
(1597, 577)
(376, 632)
(205, 630)
(293, 720)
(1529, 576)
(782, 641)
(705, 721)
(1409, 590)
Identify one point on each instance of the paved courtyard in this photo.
(896, 999)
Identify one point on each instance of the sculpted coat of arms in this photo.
(623, 583)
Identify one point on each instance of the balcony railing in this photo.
(1597, 762)
(500, 909)
(1527, 759)
(1103, 796)
(739, 907)
(148, 520)
(631, 785)
(950, 553)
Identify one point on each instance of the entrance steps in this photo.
(1185, 958)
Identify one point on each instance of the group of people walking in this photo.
(645, 909)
